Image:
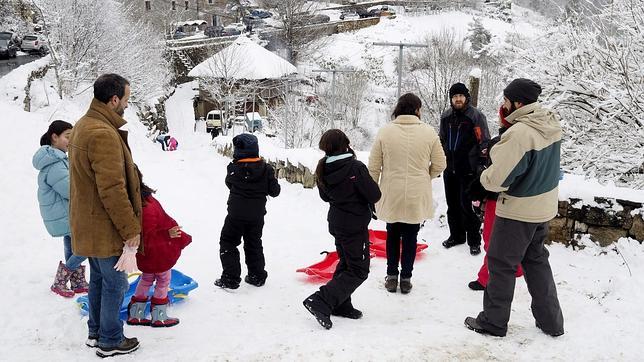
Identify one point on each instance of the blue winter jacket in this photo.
(53, 189)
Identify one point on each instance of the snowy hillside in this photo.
(600, 299)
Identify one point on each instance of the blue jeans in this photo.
(72, 262)
(106, 290)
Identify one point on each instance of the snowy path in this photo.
(601, 302)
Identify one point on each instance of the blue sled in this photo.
(180, 286)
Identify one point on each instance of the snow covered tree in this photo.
(477, 35)
(592, 73)
(84, 43)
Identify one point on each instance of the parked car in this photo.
(253, 121)
(8, 49)
(213, 122)
(260, 13)
(312, 19)
(349, 15)
(34, 43)
(213, 31)
(228, 31)
(11, 36)
(383, 10)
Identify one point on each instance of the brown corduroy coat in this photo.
(105, 197)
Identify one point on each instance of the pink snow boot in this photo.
(78, 282)
(159, 308)
(60, 281)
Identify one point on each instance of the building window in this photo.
(174, 5)
(187, 4)
(210, 2)
(147, 5)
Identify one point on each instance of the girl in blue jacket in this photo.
(53, 197)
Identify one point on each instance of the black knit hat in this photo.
(459, 88)
(246, 146)
(522, 90)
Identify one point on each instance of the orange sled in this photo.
(378, 239)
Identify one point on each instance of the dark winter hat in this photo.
(522, 90)
(459, 88)
(246, 146)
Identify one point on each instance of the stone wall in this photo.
(34, 75)
(606, 220)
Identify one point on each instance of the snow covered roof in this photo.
(244, 59)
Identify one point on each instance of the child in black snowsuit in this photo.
(250, 179)
(345, 183)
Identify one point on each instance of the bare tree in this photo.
(294, 15)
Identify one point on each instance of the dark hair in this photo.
(108, 86)
(408, 104)
(56, 127)
(333, 142)
(145, 189)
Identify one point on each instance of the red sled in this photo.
(325, 268)
(378, 239)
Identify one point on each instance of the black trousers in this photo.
(231, 235)
(513, 243)
(408, 233)
(463, 222)
(352, 270)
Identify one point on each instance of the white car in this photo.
(34, 43)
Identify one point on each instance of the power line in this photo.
(400, 57)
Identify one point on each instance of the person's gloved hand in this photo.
(127, 261)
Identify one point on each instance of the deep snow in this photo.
(600, 300)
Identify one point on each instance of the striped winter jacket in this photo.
(525, 166)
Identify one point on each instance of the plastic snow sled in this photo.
(180, 287)
(325, 268)
(378, 239)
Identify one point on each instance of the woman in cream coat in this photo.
(406, 156)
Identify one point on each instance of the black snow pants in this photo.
(352, 270)
(461, 218)
(231, 235)
(513, 243)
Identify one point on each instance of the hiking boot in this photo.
(159, 313)
(405, 285)
(91, 341)
(78, 282)
(551, 334)
(391, 283)
(475, 249)
(136, 312)
(471, 323)
(60, 281)
(316, 306)
(476, 285)
(128, 345)
(346, 310)
(452, 242)
(226, 283)
(255, 280)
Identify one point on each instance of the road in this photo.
(7, 65)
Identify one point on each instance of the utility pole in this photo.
(400, 57)
(333, 72)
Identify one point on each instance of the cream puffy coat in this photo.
(406, 156)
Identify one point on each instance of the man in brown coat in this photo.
(105, 209)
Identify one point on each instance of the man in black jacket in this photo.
(250, 179)
(464, 135)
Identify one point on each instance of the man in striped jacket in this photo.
(525, 171)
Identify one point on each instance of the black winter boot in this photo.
(320, 310)
(347, 310)
(226, 283)
(256, 280)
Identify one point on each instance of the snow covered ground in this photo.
(600, 294)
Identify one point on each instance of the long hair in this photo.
(333, 142)
(56, 127)
(407, 104)
(145, 189)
